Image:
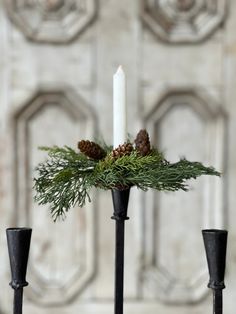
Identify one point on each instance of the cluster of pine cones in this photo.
(96, 152)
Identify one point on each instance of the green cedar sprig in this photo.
(66, 177)
(63, 180)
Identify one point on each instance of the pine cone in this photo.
(91, 149)
(142, 143)
(122, 150)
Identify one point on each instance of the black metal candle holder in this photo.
(18, 240)
(120, 203)
(215, 242)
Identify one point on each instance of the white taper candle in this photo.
(119, 107)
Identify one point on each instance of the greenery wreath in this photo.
(67, 176)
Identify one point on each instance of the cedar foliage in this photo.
(66, 178)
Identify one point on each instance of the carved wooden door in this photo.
(57, 59)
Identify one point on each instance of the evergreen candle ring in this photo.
(66, 177)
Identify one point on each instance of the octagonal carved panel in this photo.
(183, 21)
(53, 21)
(62, 259)
(190, 123)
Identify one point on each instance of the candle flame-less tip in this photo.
(120, 70)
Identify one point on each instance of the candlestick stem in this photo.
(217, 301)
(17, 303)
(120, 203)
(119, 269)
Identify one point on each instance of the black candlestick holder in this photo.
(120, 203)
(215, 242)
(18, 240)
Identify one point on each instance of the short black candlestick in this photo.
(18, 240)
(215, 242)
(120, 202)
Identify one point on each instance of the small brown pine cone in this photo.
(91, 149)
(122, 150)
(142, 143)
